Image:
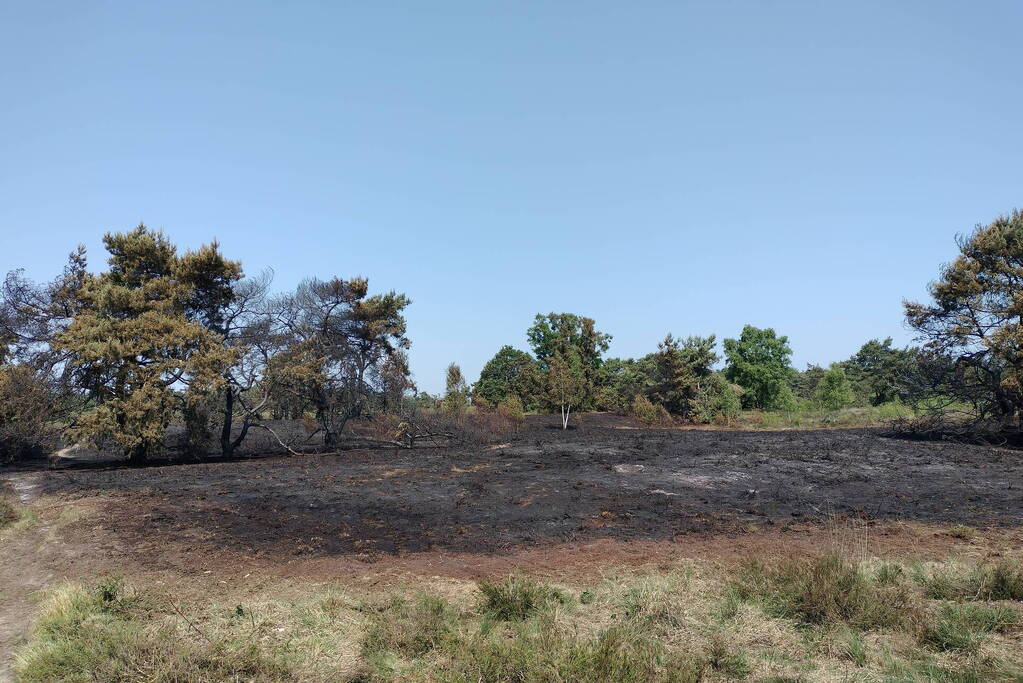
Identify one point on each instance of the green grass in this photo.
(1001, 580)
(868, 416)
(964, 627)
(819, 618)
(853, 647)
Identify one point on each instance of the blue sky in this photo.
(661, 167)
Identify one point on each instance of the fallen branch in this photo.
(279, 440)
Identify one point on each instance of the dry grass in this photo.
(8, 513)
(15, 518)
(825, 618)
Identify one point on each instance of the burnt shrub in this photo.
(26, 414)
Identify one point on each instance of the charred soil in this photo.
(541, 487)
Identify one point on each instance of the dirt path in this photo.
(28, 557)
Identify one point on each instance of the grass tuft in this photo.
(994, 581)
(727, 660)
(542, 652)
(516, 598)
(15, 518)
(8, 514)
(963, 627)
(824, 590)
(853, 647)
(410, 628)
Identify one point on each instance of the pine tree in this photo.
(134, 346)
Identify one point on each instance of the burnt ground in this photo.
(601, 481)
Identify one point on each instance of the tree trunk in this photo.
(226, 445)
(137, 454)
(241, 434)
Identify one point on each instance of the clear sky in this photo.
(658, 166)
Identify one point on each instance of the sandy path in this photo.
(27, 561)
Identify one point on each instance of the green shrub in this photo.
(892, 410)
(516, 598)
(511, 408)
(643, 410)
(606, 399)
(834, 390)
(716, 401)
(788, 402)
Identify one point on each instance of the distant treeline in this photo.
(567, 371)
(112, 358)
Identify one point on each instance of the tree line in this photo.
(113, 357)
(967, 372)
(567, 372)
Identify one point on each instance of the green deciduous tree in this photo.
(881, 372)
(834, 390)
(576, 340)
(565, 386)
(758, 361)
(503, 376)
(562, 333)
(456, 392)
